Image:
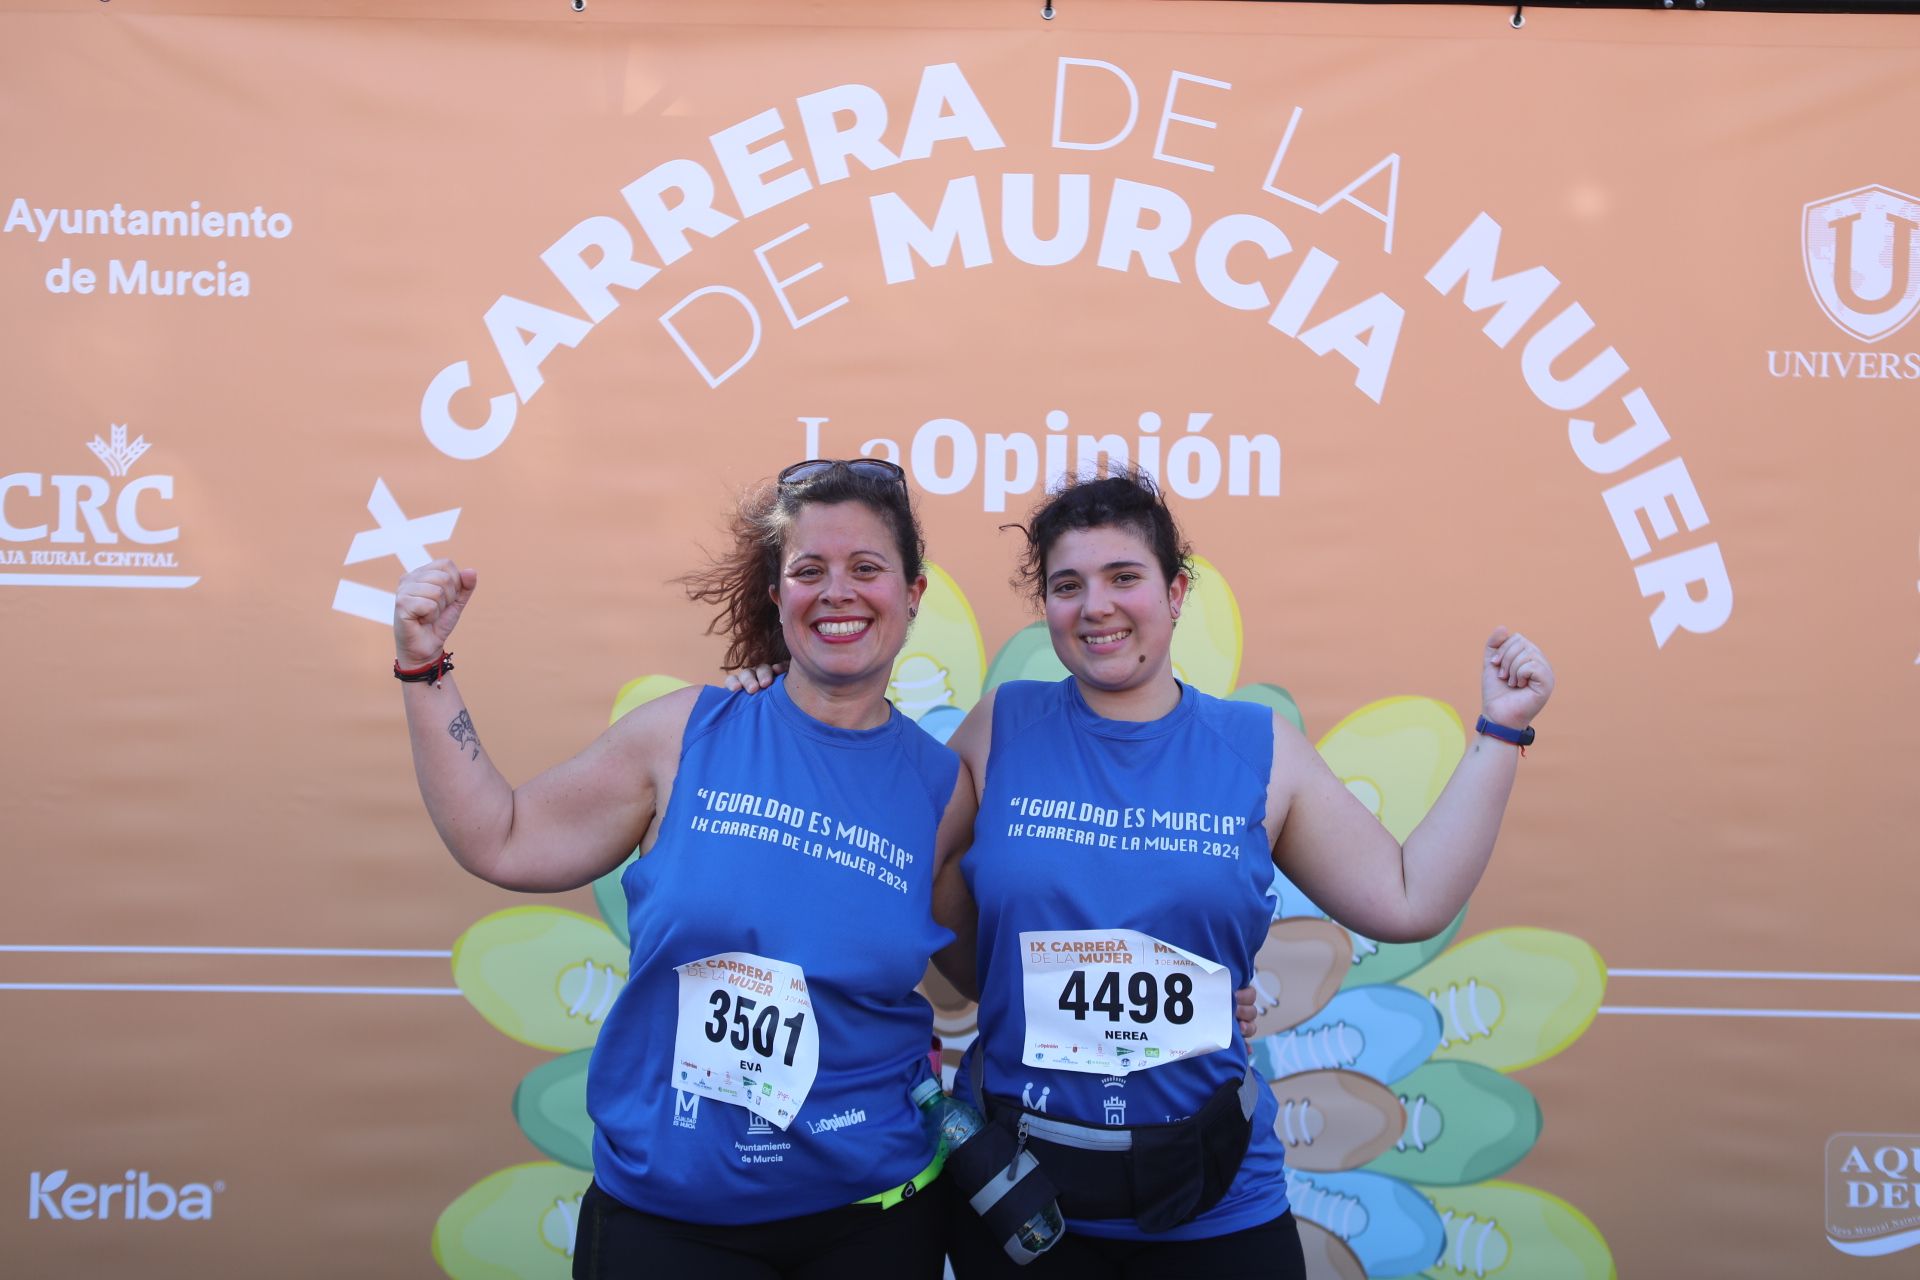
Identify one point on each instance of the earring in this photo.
(913, 611)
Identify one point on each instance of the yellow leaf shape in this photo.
(635, 692)
(517, 1224)
(543, 976)
(1396, 755)
(1507, 1227)
(1206, 640)
(943, 664)
(1509, 998)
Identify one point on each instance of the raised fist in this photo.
(425, 607)
(1515, 679)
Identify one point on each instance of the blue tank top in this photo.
(1201, 893)
(794, 840)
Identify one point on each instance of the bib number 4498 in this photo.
(746, 1023)
(1150, 997)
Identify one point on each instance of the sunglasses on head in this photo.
(871, 468)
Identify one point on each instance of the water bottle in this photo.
(951, 1122)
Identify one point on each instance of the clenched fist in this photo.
(1515, 680)
(426, 605)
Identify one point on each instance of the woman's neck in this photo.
(858, 705)
(1150, 700)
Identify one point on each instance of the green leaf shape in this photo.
(1273, 696)
(610, 896)
(1465, 1123)
(550, 1104)
(1027, 655)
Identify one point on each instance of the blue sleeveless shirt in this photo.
(808, 844)
(1204, 894)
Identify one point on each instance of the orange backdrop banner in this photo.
(1599, 327)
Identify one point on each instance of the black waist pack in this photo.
(1159, 1175)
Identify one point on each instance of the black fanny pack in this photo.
(1159, 1175)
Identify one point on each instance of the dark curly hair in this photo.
(1125, 496)
(738, 580)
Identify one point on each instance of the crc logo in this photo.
(138, 1199)
(1873, 1193)
(89, 522)
(1861, 250)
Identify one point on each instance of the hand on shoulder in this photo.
(753, 679)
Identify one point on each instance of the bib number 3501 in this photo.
(1114, 1001)
(761, 1034)
(746, 1034)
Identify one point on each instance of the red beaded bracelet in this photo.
(429, 674)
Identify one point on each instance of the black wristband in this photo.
(1522, 738)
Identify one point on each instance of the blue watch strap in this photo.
(1518, 737)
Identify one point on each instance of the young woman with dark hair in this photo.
(1153, 931)
(750, 1088)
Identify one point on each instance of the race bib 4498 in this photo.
(1112, 1001)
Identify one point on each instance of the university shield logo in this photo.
(1861, 250)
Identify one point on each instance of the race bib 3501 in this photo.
(746, 1034)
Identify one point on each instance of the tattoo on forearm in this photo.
(461, 730)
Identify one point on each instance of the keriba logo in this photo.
(140, 1198)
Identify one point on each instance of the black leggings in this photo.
(616, 1242)
(1270, 1251)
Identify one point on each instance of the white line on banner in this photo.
(92, 580)
(1735, 975)
(1665, 1012)
(30, 949)
(1763, 975)
(240, 990)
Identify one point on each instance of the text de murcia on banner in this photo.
(1147, 230)
(141, 276)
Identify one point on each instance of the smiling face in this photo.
(1110, 611)
(843, 595)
